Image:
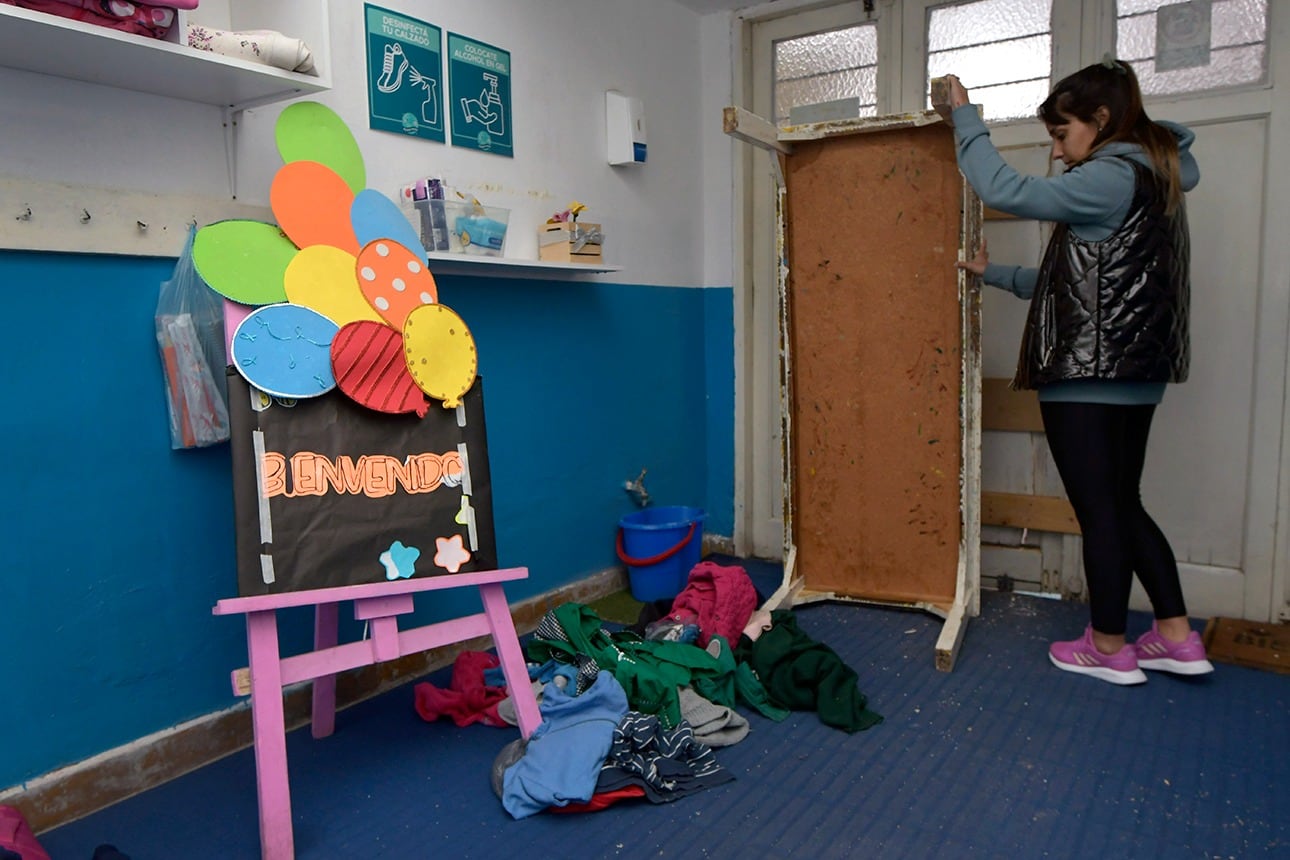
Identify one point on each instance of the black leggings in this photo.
(1099, 450)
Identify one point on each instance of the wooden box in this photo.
(570, 243)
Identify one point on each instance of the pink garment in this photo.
(138, 18)
(16, 835)
(722, 597)
(467, 700)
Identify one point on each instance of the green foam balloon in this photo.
(309, 131)
(244, 261)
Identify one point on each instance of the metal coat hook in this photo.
(26, 214)
(85, 216)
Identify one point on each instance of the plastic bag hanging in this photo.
(190, 336)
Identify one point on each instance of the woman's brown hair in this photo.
(1113, 85)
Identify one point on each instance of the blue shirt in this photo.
(1092, 197)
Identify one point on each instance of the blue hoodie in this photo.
(1092, 197)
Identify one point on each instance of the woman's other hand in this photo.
(977, 264)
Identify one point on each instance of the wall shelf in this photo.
(479, 264)
(49, 45)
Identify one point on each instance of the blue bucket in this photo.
(660, 546)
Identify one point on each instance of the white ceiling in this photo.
(703, 7)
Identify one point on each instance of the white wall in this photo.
(564, 55)
(719, 217)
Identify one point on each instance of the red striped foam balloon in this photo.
(367, 361)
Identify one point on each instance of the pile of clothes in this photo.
(636, 712)
(268, 47)
(142, 19)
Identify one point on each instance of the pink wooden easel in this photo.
(379, 604)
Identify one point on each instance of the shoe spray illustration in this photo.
(393, 65)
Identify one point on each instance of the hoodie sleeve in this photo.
(1018, 280)
(1094, 193)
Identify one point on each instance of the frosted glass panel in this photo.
(857, 83)
(826, 67)
(1000, 49)
(850, 48)
(1238, 37)
(1011, 101)
(1227, 68)
(997, 63)
(986, 21)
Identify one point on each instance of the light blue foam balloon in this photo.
(375, 216)
(285, 350)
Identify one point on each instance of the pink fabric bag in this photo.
(16, 835)
(723, 597)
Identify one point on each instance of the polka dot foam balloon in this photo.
(394, 280)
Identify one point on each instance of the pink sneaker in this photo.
(1082, 657)
(1181, 658)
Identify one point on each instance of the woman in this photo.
(1107, 331)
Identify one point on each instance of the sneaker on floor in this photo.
(1181, 658)
(1082, 657)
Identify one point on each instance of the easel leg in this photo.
(512, 658)
(326, 621)
(267, 720)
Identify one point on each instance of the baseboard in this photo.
(80, 789)
(719, 544)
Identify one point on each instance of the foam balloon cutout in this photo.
(375, 216)
(285, 350)
(311, 203)
(322, 278)
(440, 353)
(367, 360)
(309, 131)
(243, 261)
(394, 280)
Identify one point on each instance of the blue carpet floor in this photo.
(1005, 757)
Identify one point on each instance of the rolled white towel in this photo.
(259, 46)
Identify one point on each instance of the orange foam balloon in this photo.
(311, 202)
(394, 280)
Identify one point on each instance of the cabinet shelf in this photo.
(472, 264)
(49, 45)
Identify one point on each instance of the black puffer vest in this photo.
(1117, 308)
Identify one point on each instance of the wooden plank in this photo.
(747, 126)
(947, 644)
(1005, 409)
(989, 214)
(1038, 513)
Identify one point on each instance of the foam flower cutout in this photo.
(400, 561)
(450, 553)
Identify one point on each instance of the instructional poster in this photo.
(480, 78)
(404, 74)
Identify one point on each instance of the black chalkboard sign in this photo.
(330, 493)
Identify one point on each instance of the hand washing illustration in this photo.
(487, 110)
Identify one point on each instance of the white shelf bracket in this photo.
(232, 117)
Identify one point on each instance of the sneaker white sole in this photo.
(1124, 679)
(1178, 667)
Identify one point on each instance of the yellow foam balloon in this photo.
(440, 353)
(322, 278)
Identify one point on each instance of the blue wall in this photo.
(118, 547)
